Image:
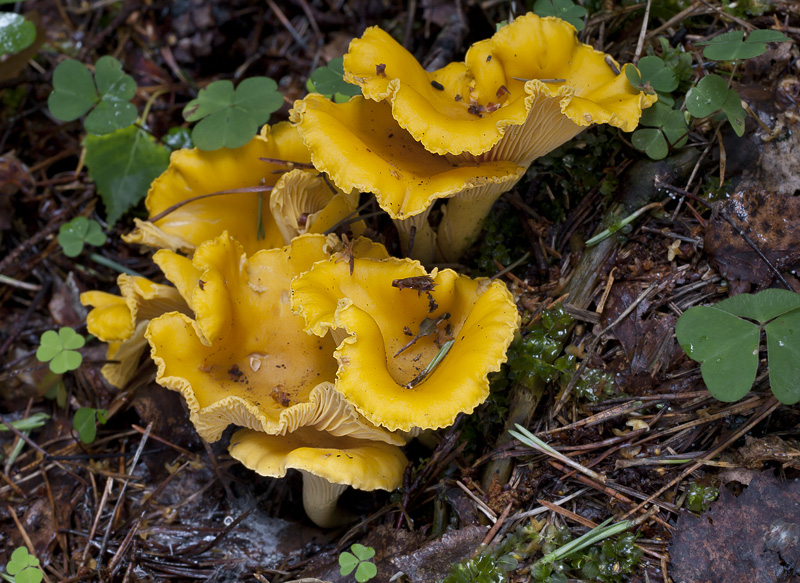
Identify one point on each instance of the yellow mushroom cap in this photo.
(329, 464)
(504, 81)
(379, 319)
(361, 147)
(192, 173)
(120, 320)
(245, 358)
(304, 202)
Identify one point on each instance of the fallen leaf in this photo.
(754, 538)
(770, 220)
(431, 562)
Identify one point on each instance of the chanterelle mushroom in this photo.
(299, 201)
(245, 358)
(361, 147)
(121, 321)
(329, 464)
(414, 349)
(518, 95)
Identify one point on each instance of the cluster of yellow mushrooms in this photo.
(330, 354)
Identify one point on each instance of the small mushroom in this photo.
(185, 217)
(518, 95)
(329, 465)
(362, 148)
(245, 358)
(121, 320)
(414, 348)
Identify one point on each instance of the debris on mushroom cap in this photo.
(121, 320)
(245, 358)
(390, 338)
(194, 173)
(305, 202)
(468, 107)
(329, 464)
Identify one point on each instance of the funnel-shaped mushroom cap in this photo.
(329, 464)
(362, 148)
(114, 318)
(194, 173)
(504, 81)
(245, 359)
(304, 202)
(383, 306)
(120, 321)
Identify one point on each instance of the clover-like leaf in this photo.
(732, 45)
(563, 9)
(733, 110)
(231, 118)
(363, 553)
(727, 344)
(358, 561)
(85, 422)
(17, 33)
(116, 90)
(75, 93)
(675, 128)
(365, 571)
(123, 164)
(80, 230)
(727, 347)
(347, 563)
(60, 349)
(652, 142)
(707, 97)
(24, 567)
(329, 80)
(653, 72)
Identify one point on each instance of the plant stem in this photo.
(111, 264)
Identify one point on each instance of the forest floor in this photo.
(710, 487)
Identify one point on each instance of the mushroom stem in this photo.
(320, 499)
(422, 245)
(461, 224)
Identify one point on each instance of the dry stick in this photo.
(121, 496)
(642, 34)
(177, 205)
(96, 522)
(288, 25)
(290, 164)
(768, 408)
(123, 547)
(755, 248)
(567, 513)
(576, 377)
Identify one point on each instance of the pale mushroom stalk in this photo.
(320, 501)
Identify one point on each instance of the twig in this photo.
(177, 205)
(642, 34)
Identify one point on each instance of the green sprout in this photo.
(108, 95)
(230, 118)
(329, 81)
(80, 230)
(60, 349)
(23, 568)
(85, 422)
(358, 561)
(725, 339)
(17, 33)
